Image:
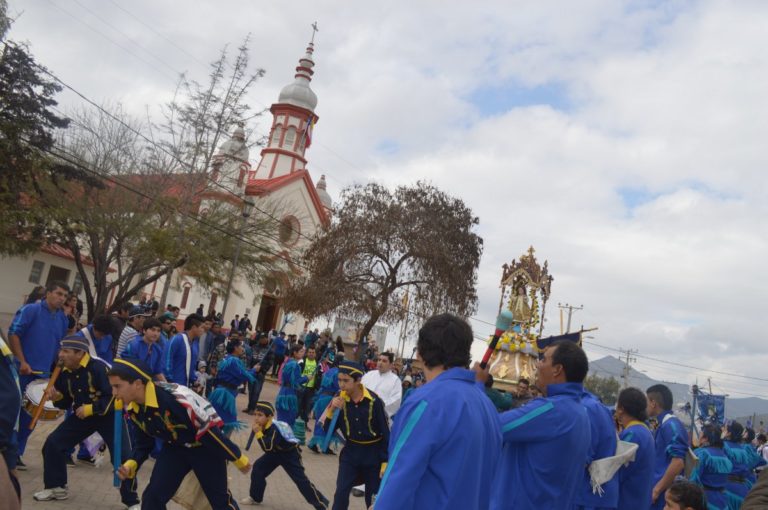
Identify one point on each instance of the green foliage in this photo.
(27, 126)
(606, 388)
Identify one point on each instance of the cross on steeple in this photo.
(314, 31)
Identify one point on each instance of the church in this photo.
(281, 177)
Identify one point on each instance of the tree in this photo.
(606, 388)
(383, 245)
(147, 221)
(27, 128)
(126, 235)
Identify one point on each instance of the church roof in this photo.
(298, 93)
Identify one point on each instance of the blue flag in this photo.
(711, 408)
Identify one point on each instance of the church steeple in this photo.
(293, 118)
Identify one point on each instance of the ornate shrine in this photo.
(525, 288)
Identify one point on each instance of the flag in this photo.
(543, 343)
(308, 130)
(711, 408)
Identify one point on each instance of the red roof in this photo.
(257, 187)
(58, 250)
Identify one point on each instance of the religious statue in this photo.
(518, 305)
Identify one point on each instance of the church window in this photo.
(277, 134)
(290, 229)
(290, 138)
(185, 295)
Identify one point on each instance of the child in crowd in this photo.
(684, 495)
(281, 448)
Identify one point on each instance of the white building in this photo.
(280, 177)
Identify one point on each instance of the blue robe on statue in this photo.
(230, 375)
(287, 402)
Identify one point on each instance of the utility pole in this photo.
(570, 309)
(628, 359)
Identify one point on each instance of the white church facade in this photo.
(281, 177)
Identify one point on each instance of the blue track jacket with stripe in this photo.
(444, 447)
(546, 447)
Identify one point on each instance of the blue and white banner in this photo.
(711, 408)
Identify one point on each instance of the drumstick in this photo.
(331, 427)
(117, 444)
(41, 405)
(503, 322)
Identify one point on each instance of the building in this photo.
(281, 177)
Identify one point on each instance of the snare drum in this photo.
(32, 397)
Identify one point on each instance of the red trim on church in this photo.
(260, 187)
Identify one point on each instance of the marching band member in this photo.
(190, 430)
(363, 422)
(281, 448)
(84, 387)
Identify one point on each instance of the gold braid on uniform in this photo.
(370, 417)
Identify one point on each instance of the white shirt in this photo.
(387, 386)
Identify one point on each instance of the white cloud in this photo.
(665, 100)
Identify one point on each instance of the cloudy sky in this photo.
(621, 139)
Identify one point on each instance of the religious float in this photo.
(525, 288)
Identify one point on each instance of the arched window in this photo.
(290, 228)
(290, 138)
(277, 134)
(185, 295)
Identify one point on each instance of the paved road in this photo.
(91, 488)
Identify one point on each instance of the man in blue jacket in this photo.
(445, 441)
(671, 440)
(603, 431)
(34, 339)
(181, 352)
(546, 442)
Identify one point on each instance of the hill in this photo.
(739, 408)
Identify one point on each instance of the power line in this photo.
(99, 32)
(683, 365)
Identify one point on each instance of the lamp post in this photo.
(246, 213)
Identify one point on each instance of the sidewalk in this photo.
(91, 488)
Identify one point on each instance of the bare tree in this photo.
(383, 244)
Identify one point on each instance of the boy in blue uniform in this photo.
(281, 448)
(546, 442)
(446, 438)
(82, 386)
(363, 421)
(230, 374)
(190, 430)
(602, 430)
(99, 336)
(147, 348)
(181, 353)
(671, 441)
(34, 338)
(10, 402)
(636, 478)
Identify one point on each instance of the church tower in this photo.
(293, 117)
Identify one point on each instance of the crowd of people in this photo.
(436, 436)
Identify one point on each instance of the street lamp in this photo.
(248, 206)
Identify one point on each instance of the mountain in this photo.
(739, 408)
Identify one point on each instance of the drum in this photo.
(32, 397)
(190, 495)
